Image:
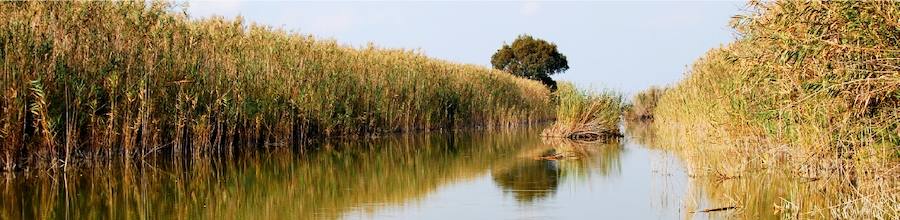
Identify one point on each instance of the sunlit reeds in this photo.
(134, 78)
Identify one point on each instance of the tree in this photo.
(531, 58)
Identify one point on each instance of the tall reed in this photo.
(134, 78)
(810, 87)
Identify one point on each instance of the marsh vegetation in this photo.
(643, 104)
(137, 79)
(808, 91)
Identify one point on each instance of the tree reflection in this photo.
(530, 180)
(539, 173)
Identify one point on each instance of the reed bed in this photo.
(810, 88)
(133, 78)
(585, 115)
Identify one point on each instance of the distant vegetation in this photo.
(531, 58)
(81, 79)
(642, 106)
(811, 87)
(585, 115)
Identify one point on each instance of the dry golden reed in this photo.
(809, 87)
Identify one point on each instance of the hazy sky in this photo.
(626, 46)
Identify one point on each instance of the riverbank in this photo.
(88, 79)
(807, 93)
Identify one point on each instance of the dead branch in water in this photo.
(582, 133)
(716, 209)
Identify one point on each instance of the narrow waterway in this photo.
(466, 175)
(619, 180)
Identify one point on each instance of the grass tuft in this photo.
(584, 115)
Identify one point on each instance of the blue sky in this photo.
(626, 46)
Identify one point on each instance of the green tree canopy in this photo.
(531, 58)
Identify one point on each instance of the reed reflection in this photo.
(760, 192)
(277, 183)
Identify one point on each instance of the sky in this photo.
(621, 45)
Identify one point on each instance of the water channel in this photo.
(461, 175)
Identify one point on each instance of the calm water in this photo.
(472, 175)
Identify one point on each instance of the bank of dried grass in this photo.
(812, 88)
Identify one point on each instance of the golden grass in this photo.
(584, 115)
(810, 88)
(134, 78)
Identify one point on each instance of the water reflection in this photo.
(757, 192)
(270, 184)
(530, 180)
(421, 176)
(538, 175)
